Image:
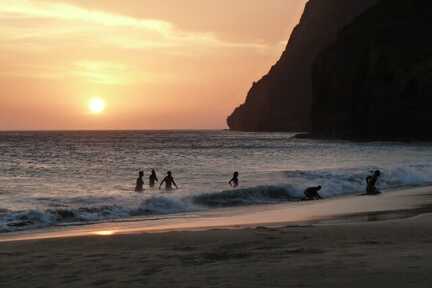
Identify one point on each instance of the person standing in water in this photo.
(140, 182)
(234, 182)
(371, 182)
(153, 179)
(169, 182)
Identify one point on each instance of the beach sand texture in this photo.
(341, 253)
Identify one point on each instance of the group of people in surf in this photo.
(312, 193)
(153, 179)
(170, 182)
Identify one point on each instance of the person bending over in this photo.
(311, 193)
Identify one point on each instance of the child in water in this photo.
(140, 182)
(234, 182)
(153, 179)
(169, 182)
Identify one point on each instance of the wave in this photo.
(248, 196)
(163, 205)
(335, 182)
(31, 219)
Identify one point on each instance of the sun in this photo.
(96, 105)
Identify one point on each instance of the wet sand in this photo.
(385, 241)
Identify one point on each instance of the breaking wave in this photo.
(335, 182)
(248, 196)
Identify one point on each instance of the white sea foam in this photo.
(59, 178)
(335, 182)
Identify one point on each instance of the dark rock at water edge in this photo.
(281, 100)
(375, 81)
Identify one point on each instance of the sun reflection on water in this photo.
(104, 233)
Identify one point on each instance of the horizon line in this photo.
(112, 130)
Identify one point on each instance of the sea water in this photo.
(64, 178)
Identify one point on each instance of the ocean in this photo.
(76, 178)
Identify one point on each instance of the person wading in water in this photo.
(153, 178)
(371, 182)
(169, 182)
(140, 182)
(234, 182)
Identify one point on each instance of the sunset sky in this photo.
(135, 64)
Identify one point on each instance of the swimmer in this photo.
(140, 182)
(371, 182)
(153, 178)
(169, 182)
(234, 182)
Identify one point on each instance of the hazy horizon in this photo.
(151, 65)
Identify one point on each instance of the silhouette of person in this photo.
(169, 182)
(140, 182)
(371, 182)
(153, 178)
(311, 193)
(234, 182)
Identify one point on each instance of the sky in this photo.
(145, 64)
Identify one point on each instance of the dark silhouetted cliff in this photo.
(375, 81)
(281, 100)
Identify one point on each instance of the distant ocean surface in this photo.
(66, 178)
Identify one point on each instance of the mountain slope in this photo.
(375, 81)
(281, 100)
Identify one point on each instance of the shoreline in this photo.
(345, 251)
(393, 204)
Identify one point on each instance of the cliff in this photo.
(375, 81)
(281, 100)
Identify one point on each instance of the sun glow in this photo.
(96, 105)
(104, 233)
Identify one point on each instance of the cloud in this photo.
(101, 72)
(61, 11)
(110, 73)
(98, 72)
(28, 19)
(55, 40)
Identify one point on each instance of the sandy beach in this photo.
(223, 144)
(385, 242)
